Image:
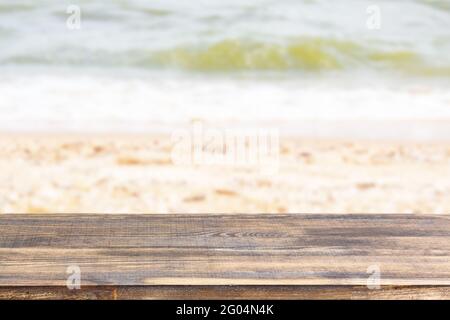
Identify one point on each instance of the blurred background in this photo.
(313, 67)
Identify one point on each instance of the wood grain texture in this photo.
(226, 293)
(222, 250)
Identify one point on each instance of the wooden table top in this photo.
(207, 252)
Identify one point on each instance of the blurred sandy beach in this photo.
(126, 173)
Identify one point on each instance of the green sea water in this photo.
(413, 36)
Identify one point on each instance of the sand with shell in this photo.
(44, 173)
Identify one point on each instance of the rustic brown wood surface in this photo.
(179, 256)
(225, 292)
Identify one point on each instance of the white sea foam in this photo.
(149, 102)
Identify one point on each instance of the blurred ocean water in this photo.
(229, 35)
(169, 61)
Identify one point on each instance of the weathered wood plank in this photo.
(225, 292)
(198, 250)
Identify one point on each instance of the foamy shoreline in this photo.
(400, 131)
(159, 102)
